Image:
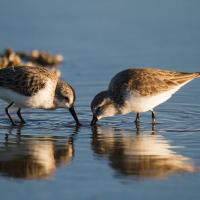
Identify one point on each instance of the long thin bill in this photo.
(94, 121)
(73, 113)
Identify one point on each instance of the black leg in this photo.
(137, 119)
(153, 117)
(6, 110)
(20, 116)
(137, 126)
(153, 129)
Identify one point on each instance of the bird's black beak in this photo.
(73, 113)
(94, 120)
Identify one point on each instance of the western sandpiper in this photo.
(35, 87)
(138, 90)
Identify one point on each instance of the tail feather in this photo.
(197, 74)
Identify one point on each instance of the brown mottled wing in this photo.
(25, 80)
(147, 81)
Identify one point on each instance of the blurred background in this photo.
(107, 32)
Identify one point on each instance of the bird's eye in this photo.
(98, 108)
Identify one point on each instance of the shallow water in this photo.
(49, 157)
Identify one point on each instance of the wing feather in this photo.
(26, 80)
(147, 81)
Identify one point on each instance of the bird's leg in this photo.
(153, 129)
(6, 110)
(137, 126)
(153, 117)
(137, 119)
(20, 116)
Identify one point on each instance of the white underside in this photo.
(42, 99)
(138, 103)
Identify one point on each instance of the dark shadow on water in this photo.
(30, 157)
(139, 154)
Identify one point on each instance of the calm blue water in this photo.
(49, 158)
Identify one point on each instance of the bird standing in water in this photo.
(35, 87)
(138, 90)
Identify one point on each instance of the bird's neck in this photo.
(116, 105)
(56, 103)
(116, 108)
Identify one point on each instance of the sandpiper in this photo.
(138, 90)
(35, 87)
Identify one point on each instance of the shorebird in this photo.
(35, 87)
(138, 90)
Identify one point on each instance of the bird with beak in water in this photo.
(35, 87)
(138, 90)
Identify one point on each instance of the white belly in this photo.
(144, 104)
(138, 103)
(42, 99)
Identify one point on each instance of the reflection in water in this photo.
(32, 157)
(139, 155)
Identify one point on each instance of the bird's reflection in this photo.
(140, 154)
(31, 157)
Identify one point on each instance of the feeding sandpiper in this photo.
(35, 87)
(138, 90)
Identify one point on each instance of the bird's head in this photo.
(65, 98)
(102, 106)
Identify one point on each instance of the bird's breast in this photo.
(44, 97)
